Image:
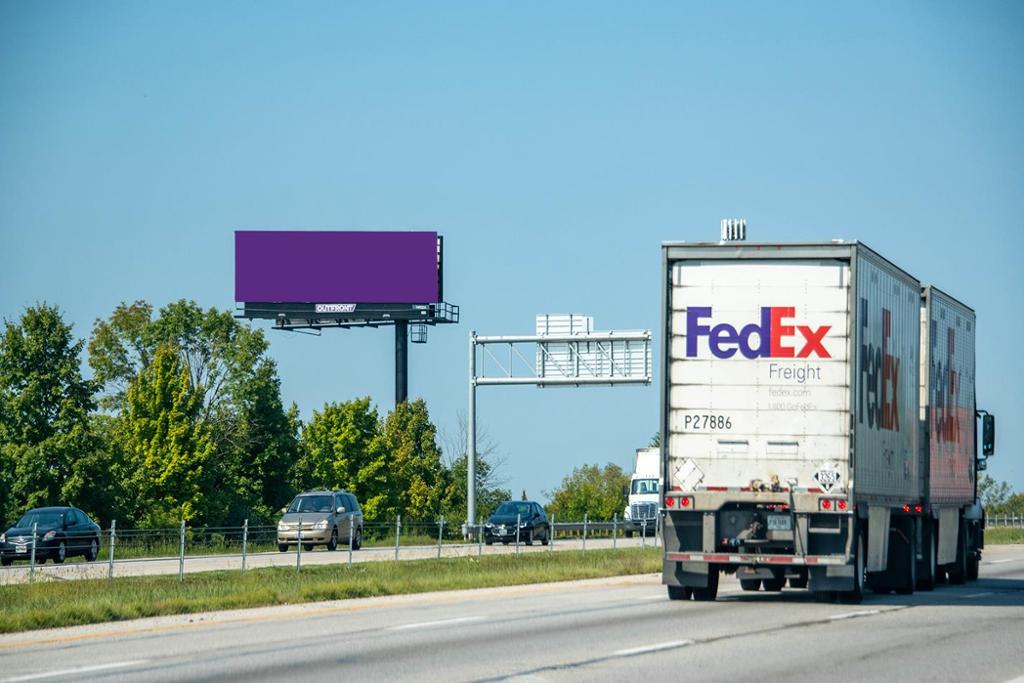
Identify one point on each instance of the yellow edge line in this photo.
(544, 587)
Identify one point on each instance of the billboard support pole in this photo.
(401, 361)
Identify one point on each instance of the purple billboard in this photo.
(336, 267)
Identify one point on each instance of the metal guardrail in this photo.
(116, 546)
(1012, 521)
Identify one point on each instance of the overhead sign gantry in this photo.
(564, 352)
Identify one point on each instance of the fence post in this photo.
(551, 541)
(615, 530)
(584, 532)
(440, 535)
(113, 540)
(351, 535)
(245, 541)
(32, 558)
(643, 533)
(480, 537)
(519, 520)
(298, 550)
(398, 533)
(181, 552)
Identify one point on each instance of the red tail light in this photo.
(670, 502)
(686, 501)
(918, 508)
(841, 504)
(906, 508)
(826, 504)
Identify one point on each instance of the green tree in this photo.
(655, 441)
(44, 409)
(489, 478)
(592, 490)
(416, 477)
(993, 493)
(338, 450)
(97, 480)
(167, 447)
(1012, 505)
(238, 393)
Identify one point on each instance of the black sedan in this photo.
(529, 516)
(60, 532)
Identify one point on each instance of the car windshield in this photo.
(511, 508)
(311, 504)
(42, 518)
(645, 486)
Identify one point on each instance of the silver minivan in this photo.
(321, 518)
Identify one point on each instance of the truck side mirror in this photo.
(988, 435)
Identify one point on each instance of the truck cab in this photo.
(640, 515)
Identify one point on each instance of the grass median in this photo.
(67, 603)
(1001, 535)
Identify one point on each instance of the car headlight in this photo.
(488, 526)
(3, 537)
(321, 525)
(281, 526)
(523, 525)
(49, 535)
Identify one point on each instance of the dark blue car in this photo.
(530, 517)
(60, 532)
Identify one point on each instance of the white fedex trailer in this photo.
(790, 407)
(952, 528)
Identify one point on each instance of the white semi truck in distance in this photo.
(644, 497)
(818, 413)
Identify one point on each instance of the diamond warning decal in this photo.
(827, 476)
(688, 475)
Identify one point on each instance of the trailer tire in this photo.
(775, 584)
(750, 584)
(909, 581)
(855, 595)
(972, 568)
(926, 580)
(799, 581)
(711, 592)
(680, 592)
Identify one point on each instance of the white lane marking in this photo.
(1012, 559)
(978, 595)
(853, 615)
(1018, 679)
(442, 622)
(72, 672)
(652, 648)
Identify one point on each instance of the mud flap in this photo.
(689, 574)
(878, 539)
(949, 535)
(837, 577)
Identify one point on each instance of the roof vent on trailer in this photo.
(734, 229)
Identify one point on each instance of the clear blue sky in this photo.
(554, 145)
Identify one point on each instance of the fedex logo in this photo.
(946, 392)
(880, 375)
(775, 335)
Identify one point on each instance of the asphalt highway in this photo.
(619, 629)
